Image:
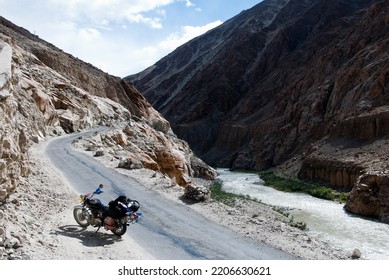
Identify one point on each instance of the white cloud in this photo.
(188, 32)
(97, 11)
(188, 3)
(140, 59)
(89, 35)
(102, 32)
(151, 22)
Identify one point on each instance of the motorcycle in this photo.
(115, 217)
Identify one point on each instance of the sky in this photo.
(121, 37)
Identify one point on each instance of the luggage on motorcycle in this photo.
(118, 207)
(122, 198)
(124, 204)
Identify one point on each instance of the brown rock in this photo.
(149, 163)
(130, 163)
(172, 164)
(340, 174)
(3, 194)
(196, 193)
(120, 138)
(370, 196)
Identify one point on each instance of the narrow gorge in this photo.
(298, 87)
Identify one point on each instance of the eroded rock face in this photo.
(262, 89)
(82, 75)
(40, 102)
(367, 126)
(139, 146)
(370, 196)
(13, 138)
(45, 92)
(259, 89)
(340, 174)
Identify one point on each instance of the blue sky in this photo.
(121, 37)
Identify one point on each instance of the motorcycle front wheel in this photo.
(120, 230)
(81, 217)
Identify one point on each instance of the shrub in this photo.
(293, 185)
(218, 194)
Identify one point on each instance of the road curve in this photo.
(167, 230)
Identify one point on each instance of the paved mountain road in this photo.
(166, 230)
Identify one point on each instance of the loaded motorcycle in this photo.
(115, 217)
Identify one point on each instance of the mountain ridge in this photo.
(281, 91)
(45, 92)
(228, 104)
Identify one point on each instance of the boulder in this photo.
(99, 153)
(119, 138)
(130, 163)
(370, 196)
(69, 121)
(356, 254)
(3, 193)
(173, 164)
(196, 193)
(202, 170)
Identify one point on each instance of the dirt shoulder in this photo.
(39, 223)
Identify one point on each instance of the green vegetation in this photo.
(291, 185)
(227, 198)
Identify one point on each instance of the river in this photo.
(324, 219)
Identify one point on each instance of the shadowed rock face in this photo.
(340, 174)
(263, 86)
(297, 86)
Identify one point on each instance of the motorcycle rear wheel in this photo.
(120, 230)
(80, 216)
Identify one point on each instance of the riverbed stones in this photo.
(356, 254)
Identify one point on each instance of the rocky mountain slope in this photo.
(46, 92)
(299, 86)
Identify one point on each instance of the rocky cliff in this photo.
(301, 86)
(46, 92)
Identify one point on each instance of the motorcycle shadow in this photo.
(87, 237)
